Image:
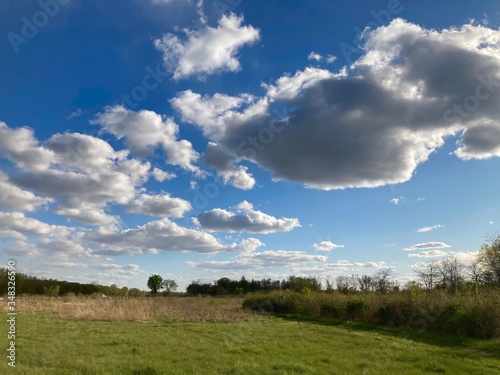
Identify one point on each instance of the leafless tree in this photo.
(429, 274)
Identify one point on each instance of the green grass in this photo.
(47, 344)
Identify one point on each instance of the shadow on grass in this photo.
(488, 348)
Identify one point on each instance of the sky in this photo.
(200, 139)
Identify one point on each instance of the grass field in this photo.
(56, 343)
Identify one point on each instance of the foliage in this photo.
(170, 286)
(225, 286)
(462, 314)
(155, 283)
(32, 285)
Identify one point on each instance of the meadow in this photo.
(204, 335)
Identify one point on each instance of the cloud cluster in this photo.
(159, 205)
(207, 51)
(428, 254)
(374, 122)
(263, 259)
(245, 218)
(329, 59)
(145, 131)
(162, 235)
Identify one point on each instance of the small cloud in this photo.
(492, 222)
(389, 245)
(315, 56)
(428, 254)
(427, 245)
(428, 229)
(75, 114)
(330, 59)
(325, 246)
(193, 185)
(397, 201)
(161, 176)
(420, 199)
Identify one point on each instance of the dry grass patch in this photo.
(164, 309)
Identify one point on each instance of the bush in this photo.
(355, 309)
(462, 314)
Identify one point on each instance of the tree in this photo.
(382, 280)
(155, 283)
(450, 270)
(170, 286)
(429, 274)
(489, 257)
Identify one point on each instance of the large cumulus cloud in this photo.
(372, 123)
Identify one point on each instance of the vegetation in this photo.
(225, 286)
(450, 297)
(32, 285)
(171, 309)
(50, 345)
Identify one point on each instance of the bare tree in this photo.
(450, 270)
(365, 283)
(429, 274)
(382, 280)
(343, 283)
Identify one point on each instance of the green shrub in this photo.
(355, 308)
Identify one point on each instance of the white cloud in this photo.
(159, 205)
(158, 235)
(145, 131)
(325, 246)
(208, 51)
(364, 126)
(329, 59)
(23, 249)
(21, 148)
(245, 218)
(236, 176)
(16, 198)
(427, 245)
(263, 259)
(64, 264)
(397, 201)
(428, 229)
(428, 254)
(88, 214)
(314, 56)
(161, 175)
(18, 222)
(83, 173)
(340, 266)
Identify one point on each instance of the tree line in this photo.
(449, 274)
(32, 285)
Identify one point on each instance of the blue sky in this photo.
(202, 139)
